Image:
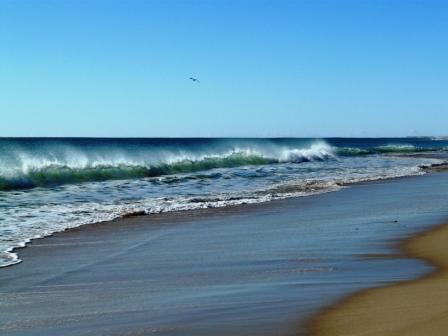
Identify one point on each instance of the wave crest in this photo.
(61, 163)
(75, 168)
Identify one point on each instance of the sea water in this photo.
(51, 184)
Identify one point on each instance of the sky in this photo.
(266, 68)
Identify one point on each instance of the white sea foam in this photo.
(50, 218)
(317, 151)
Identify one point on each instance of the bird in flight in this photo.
(194, 79)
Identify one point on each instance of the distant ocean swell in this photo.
(392, 149)
(24, 169)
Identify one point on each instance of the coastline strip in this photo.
(416, 307)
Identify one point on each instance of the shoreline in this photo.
(262, 269)
(410, 307)
(426, 170)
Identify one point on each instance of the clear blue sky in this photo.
(267, 68)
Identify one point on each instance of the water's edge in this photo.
(404, 249)
(298, 227)
(14, 256)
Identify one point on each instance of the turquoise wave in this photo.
(53, 175)
(387, 149)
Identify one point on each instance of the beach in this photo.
(223, 168)
(417, 307)
(257, 269)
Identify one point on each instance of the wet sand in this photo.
(248, 270)
(417, 307)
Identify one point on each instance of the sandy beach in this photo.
(261, 269)
(417, 307)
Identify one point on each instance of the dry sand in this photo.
(418, 307)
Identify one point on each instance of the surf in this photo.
(63, 164)
(30, 163)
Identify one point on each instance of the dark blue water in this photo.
(48, 185)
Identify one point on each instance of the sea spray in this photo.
(63, 164)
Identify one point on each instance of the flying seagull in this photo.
(194, 79)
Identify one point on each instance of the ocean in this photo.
(51, 184)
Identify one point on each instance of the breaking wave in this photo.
(53, 163)
(145, 176)
(48, 169)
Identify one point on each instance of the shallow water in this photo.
(260, 269)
